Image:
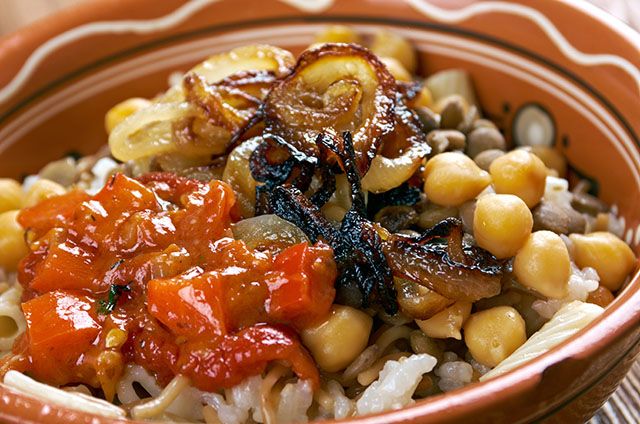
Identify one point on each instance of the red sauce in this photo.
(154, 260)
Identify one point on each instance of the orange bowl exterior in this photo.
(523, 55)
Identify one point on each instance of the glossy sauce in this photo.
(147, 272)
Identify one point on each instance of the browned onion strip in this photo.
(451, 271)
(417, 301)
(401, 152)
(231, 103)
(342, 87)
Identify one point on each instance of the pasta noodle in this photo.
(12, 322)
(269, 381)
(77, 401)
(369, 375)
(135, 374)
(161, 403)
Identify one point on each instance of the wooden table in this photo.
(624, 405)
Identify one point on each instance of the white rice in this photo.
(295, 400)
(453, 373)
(395, 385)
(343, 407)
(477, 366)
(243, 400)
(101, 171)
(581, 283)
(556, 191)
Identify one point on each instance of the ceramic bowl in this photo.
(553, 72)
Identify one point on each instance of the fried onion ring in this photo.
(217, 100)
(400, 155)
(342, 87)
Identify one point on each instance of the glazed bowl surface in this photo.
(552, 72)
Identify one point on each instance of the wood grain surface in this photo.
(624, 405)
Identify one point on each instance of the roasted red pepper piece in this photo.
(301, 284)
(226, 362)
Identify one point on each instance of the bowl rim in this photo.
(618, 319)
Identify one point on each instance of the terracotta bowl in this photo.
(548, 71)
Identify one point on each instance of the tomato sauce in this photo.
(147, 272)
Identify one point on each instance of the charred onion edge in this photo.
(386, 89)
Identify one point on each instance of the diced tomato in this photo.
(169, 186)
(191, 304)
(142, 231)
(206, 217)
(66, 266)
(120, 198)
(225, 363)
(193, 299)
(124, 194)
(61, 326)
(51, 212)
(301, 284)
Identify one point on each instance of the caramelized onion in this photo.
(148, 132)
(417, 301)
(232, 103)
(455, 272)
(238, 175)
(268, 232)
(257, 57)
(218, 100)
(401, 153)
(335, 86)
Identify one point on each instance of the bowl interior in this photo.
(525, 82)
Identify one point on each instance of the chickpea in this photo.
(543, 264)
(43, 189)
(11, 195)
(388, 44)
(337, 341)
(494, 334)
(122, 110)
(552, 159)
(396, 69)
(501, 224)
(611, 257)
(12, 244)
(424, 98)
(521, 173)
(338, 34)
(453, 178)
(446, 323)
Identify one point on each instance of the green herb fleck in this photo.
(105, 307)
